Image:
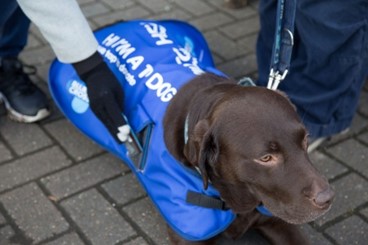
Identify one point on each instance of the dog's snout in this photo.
(321, 196)
(324, 198)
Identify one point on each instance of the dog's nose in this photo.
(319, 193)
(324, 198)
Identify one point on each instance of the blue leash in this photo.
(283, 44)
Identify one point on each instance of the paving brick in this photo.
(195, 7)
(124, 189)
(5, 153)
(81, 176)
(248, 43)
(223, 46)
(352, 153)
(147, 218)
(177, 14)
(363, 102)
(135, 12)
(156, 6)
(74, 142)
(2, 219)
(68, 239)
(137, 241)
(33, 212)
(38, 56)
(351, 191)
(231, 68)
(241, 13)
(118, 4)
(241, 29)
(365, 212)
(32, 42)
(24, 138)
(97, 219)
(211, 21)
(314, 236)
(6, 233)
(94, 9)
(31, 167)
(353, 230)
(326, 165)
(364, 138)
(36, 32)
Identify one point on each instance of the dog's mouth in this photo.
(296, 214)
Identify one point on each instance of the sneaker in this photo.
(24, 101)
(314, 143)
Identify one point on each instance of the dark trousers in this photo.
(14, 27)
(329, 63)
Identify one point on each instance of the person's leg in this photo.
(329, 62)
(24, 101)
(14, 27)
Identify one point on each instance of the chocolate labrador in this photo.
(251, 145)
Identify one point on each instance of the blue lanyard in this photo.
(283, 44)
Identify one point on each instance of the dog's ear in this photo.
(208, 151)
(202, 149)
(208, 156)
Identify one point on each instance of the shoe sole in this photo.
(16, 116)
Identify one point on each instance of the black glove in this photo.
(106, 96)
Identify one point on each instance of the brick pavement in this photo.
(57, 187)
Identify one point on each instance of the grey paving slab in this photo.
(124, 189)
(223, 46)
(39, 56)
(68, 239)
(156, 6)
(353, 230)
(33, 212)
(195, 7)
(134, 12)
(137, 241)
(248, 65)
(177, 14)
(2, 219)
(118, 4)
(327, 166)
(315, 236)
(240, 14)
(211, 21)
(23, 138)
(6, 233)
(81, 176)
(32, 167)
(5, 153)
(98, 220)
(94, 9)
(73, 141)
(150, 222)
(365, 212)
(353, 154)
(241, 29)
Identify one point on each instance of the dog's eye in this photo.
(266, 158)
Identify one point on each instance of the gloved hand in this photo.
(106, 96)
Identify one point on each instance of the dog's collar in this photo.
(186, 126)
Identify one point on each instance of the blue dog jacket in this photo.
(152, 60)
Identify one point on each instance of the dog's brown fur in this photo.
(251, 145)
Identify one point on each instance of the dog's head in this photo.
(252, 147)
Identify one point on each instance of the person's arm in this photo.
(64, 26)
